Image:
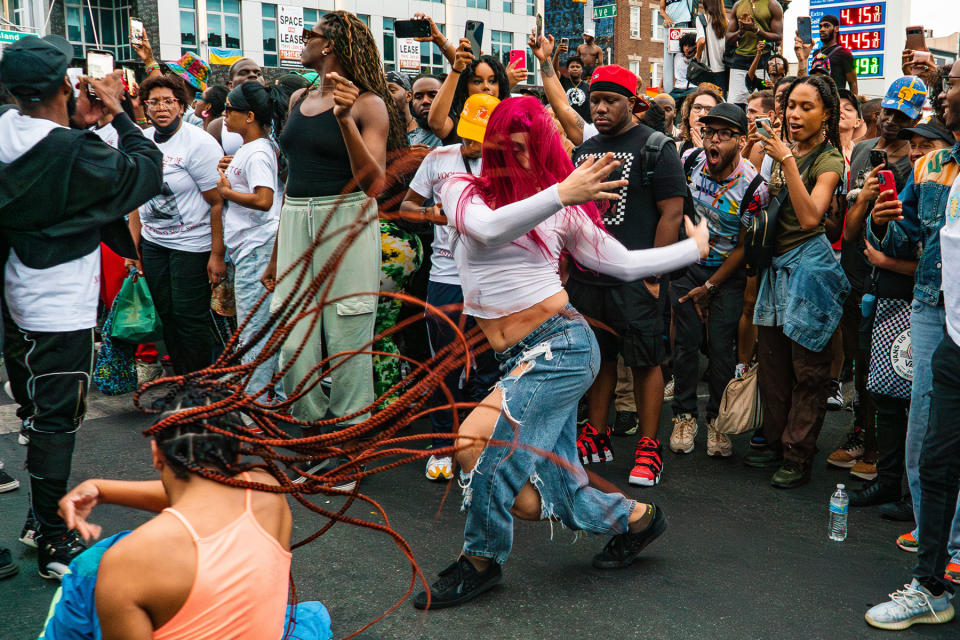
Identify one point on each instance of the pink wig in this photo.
(502, 180)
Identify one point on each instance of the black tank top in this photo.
(316, 155)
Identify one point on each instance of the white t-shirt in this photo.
(589, 130)
(244, 229)
(108, 134)
(679, 10)
(713, 47)
(950, 261)
(60, 298)
(230, 141)
(440, 164)
(179, 218)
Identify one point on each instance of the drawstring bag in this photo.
(135, 318)
(740, 407)
(114, 370)
(891, 358)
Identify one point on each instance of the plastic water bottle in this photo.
(839, 506)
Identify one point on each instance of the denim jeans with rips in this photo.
(545, 374)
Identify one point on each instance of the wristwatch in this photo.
(710, 287)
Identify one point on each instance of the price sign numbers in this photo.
(861, 15)
(868, 66)
(861, 40)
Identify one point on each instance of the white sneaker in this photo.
(684, 431)
(909, 606)
(439, 468)
(326, 465)
(835, 401)
(718, 444)
(148, 372)
(8, 389)
(668, 390)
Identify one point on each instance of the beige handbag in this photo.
(740, 406)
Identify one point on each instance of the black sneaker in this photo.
(7, 482)
(28, 535)
(7, 567)
(623, 549)
(459, 583)
(55, 553)
(625, 423)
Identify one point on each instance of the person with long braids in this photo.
(470, 73)
(518, 451)
(801, 294)
(336, 140)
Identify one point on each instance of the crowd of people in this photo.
(743, 223)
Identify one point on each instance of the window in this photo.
(477, 4)
(223, 23)
(389, 45)
(98, 24)
(635, 69)
(500, 44)
(531, 7)
(188, 26)
(312, 17)
(531, 67)
(364, 18)
(20, 13)
(656, 25)
(269, 13)
(635, 22)
(656, 74)
(431, 58)
(508, 6)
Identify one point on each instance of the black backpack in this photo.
(692, 160)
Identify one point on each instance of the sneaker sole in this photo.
(628, 432)
(23, 440)
(839, 464)
(657, 529)
(682, 451)
(952, 577)
(763, 465)
(9, 570)
(29, 541)
(10, 486)
(907, 549)
(864, 476)
(461, 600)
(790, 485)
(644, 482)
(927, 618)
(54, 574)
(758, 445)
(719, 454)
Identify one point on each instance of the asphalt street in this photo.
(739, 559)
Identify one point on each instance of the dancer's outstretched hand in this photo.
(586, 182)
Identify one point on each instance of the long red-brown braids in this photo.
(219, 405)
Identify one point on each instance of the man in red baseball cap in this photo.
(648, 214)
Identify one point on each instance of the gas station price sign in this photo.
(863, 27)
(869, 66)
(869, 40)
(863, 15)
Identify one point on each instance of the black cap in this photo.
(729, 114)
(932, 129)
(32, 68)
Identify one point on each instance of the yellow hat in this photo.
(473, 119)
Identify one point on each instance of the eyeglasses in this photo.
(157, 102)
(947, 84)
(699, 108)
(310, 34)
(723, 134)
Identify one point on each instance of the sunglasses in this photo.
(310, 34)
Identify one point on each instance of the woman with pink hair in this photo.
(508, 227)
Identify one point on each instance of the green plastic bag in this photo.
(136, 319)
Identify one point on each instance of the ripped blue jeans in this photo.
(556, 365)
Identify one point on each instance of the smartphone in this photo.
(518, 54)
(916, 40)
(888, 187)
(878, 157)
(136, 32)
(474, 33)
(412, 28)
(565, 41)
(539, 25)
(764, 127)
(74, 73)
(129, 79)
(805, 29)
(922, 56)
(99, 64)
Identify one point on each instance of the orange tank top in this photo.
(240, 588)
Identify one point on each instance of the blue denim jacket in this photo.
(803, 292)
(924, 203)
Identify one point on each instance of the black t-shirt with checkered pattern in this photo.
(634, 217)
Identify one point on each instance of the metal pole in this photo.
(93, 25)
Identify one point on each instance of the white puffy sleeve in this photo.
(492, 227)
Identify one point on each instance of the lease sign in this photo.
(290, 35)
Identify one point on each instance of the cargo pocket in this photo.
(356, 306)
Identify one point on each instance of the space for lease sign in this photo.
(289, 35)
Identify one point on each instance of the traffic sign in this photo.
(604, 11)
(9, 37)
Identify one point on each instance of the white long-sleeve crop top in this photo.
(503, 271)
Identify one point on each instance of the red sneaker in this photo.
(646, 470)
(953, 572)
(593, 446)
